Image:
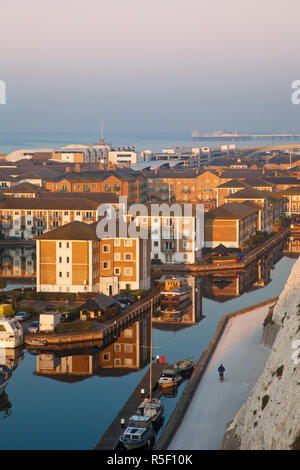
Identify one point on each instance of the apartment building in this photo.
(29, 217)
(82, 154)
(74, 259)
(269, 205)
(67, 259)
(183, 185)
(23, 190)
(235, 185)
(175, 237)
(123, 156)
(291, 202)
(230, 224)
(123, 182)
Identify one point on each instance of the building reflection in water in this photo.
(187, 313)
(10, 358)
(130, 352)
(17, 262)
(293, 245)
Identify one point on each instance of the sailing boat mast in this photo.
(150, 395)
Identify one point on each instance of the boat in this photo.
(138, 433)
(184, 367)
(176, 290)
(169, 378)
(11, 333)
(152, 408)
(5, 375)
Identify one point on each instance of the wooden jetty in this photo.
(110, 438)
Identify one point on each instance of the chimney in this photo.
(77, 168)
(68, 169)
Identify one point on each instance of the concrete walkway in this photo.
(215, 404)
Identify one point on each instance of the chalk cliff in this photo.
(270, 419)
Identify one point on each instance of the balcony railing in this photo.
(55, 217)
(168, 249)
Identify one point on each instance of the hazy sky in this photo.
(149, 66)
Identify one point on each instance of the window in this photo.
(117, 256)
(128, 256)
(155, 243)
(128, 332)
(128, 242)
(105, 265)
(68, 244)
(105, 249)
(128, 362)
(28, 212)
(128, 272)
(2, 328)
(106, 356)
(117, 347)
(60, 274)
(128, 348)
(60, 259)
(117, 362)
(68, 274)
(68, 259)
(66, 213)
(128, 287)
(59, 245)
(117, 271)
(117, 242)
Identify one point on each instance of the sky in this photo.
(146, 67)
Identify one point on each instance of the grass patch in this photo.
(74, 327)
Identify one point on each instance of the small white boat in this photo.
(152, 408)
(11, 333)
(138, 433)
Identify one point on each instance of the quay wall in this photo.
(187, 395)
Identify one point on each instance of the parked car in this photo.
(123, 306)
(34, 327)
(22, 316)
(66, 317)
(127, 300)
(50, 308)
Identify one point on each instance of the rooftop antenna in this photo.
(102, 133)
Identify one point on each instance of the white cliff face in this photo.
(270, 419)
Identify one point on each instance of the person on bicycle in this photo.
(221, 370)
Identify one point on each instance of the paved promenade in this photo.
(215, 404)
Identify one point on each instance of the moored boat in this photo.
(176, 291)
(169, 378)
(184, 367)
(152, 408)
(11, 333)
(138, 433)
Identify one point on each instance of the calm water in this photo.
(156, 142)
(52, 414)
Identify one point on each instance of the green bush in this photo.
(279, 371)
(25, 308)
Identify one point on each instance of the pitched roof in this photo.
(73, 231)
(233, 184)
(25, 188)
(49, 202)
(232, 211)
(99, 302)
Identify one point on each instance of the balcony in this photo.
(5, 217)
(55, 217)
(168, 249)
(117, 188)
(164, 190)
(186, 190)
(142, 185)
